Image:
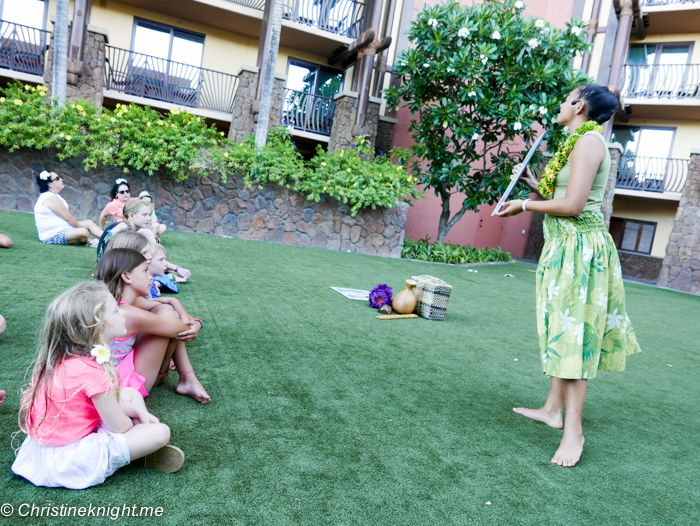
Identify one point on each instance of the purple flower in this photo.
(371, 144)
(352, 146)
(381, 152)
(380, 295)
(252, 130)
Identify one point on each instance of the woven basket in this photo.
(432, 294)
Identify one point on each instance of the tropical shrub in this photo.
(424, 250)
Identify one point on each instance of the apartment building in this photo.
(199, 54)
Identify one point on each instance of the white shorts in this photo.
(76, 465)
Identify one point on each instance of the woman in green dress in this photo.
(581, 318)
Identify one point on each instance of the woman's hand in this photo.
(191, 333)
(528, 178)
(511, 208)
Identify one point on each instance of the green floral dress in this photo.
(581, 317)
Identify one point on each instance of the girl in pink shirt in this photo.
(81, 425)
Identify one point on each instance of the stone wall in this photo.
(344, 131)
(245, 107)
(205, 205)
(87, 81)
(385, 133)
(681, 266)
(642, 267)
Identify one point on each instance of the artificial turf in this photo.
(323, 415)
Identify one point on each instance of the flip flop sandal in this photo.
(168, 459)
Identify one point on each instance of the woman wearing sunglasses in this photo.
(54, 223)
(120, 194)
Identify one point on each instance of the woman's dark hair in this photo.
(113, 264)
(601, 103)
(43, 183)
(115, 188)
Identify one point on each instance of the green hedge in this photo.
(423, 250)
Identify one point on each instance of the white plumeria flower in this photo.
(576, 30)
(533, 43)
(433, 22)
(578, 332)
(101, 353)
(603, 300)
(566, 321)
(587, 253)
(618, 273)
(472, 93)
(426, 65)
(583, 294)
(484, 59)
(450, 70)
(552, 290)
(532, 107)
(464, 32)
(543, 110)
(519, 5)
(539, 23)
(45, 176)
(614, 319)
(570, 269)
(475, 137)
(496, 35)
(517, 126)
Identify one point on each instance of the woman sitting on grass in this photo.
(120, 194)
(81, 425)
(54, 223)
(137, 218)
(583, 326)
(143, 358)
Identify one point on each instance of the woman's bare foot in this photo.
(569, 451)
(189, 385)
(551, 418)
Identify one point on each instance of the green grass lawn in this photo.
(323, 415)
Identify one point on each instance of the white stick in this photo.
(514, 181)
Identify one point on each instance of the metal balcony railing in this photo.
(22, 48)
(663, 81)
(341, 17)
(307, 112)
(156, 78)
(669, 2)
(652, 174)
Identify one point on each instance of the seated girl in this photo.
(137, 218)
(81, 425)
(157, 331)
(157, 228)
(54, 223)
(120, 194)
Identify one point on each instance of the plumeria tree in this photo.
(477, 80)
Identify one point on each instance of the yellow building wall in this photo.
(223, 51)
(680, 37)
(686, 138)
(660, 212)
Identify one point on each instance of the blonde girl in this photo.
(81, 426)
(156, 331)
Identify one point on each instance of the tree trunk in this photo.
(446, 223)
(269, 78)
(60, 52)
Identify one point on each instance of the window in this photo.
(168, 43)
(632, 235)
(312, 78)
(24, 12)
(645, 158)
(658, 70)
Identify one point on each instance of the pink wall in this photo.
(478, 229)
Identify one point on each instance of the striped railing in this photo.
(341, 17)
(22, 48)
(307, 112)
(169, 81)
(651, 174)
(663, 81)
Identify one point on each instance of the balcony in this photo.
(314, 26)
(671, 16)
(309, 115)
(663, 91)
(651, 176)
(140, 75)
(22, 49)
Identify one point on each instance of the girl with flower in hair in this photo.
(582, 320)
(54, 223)
(120, 194)
(156, 331)
(81, 425)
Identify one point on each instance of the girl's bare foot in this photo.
(189, 385)
(551, 418)
(569, 451)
